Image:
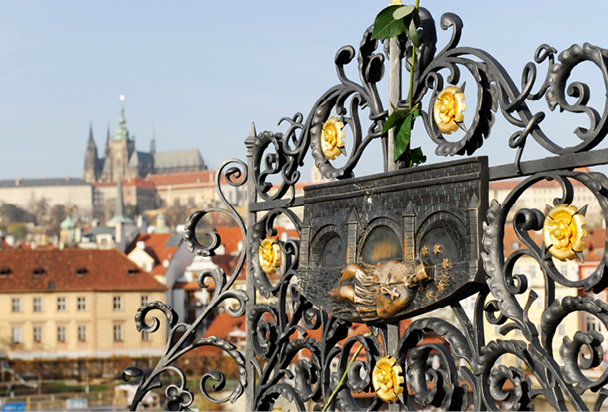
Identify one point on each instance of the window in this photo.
(532, 271)
(82, 303)
(144, 300)
(61, 304)
(82, 333)
(37, 334)
(37, 304)
(145, 336)
(561, 330)
(117, 302)
(16, 304)
(117, 333)
(61, 334)
(16, 335)
(592, 323)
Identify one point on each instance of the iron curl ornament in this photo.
(182, 336)
(303, 355)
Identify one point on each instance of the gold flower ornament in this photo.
(331, 138)
(387, 378)
(448, 109)
(563, 231)
(269, 254)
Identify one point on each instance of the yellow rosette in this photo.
(448, 109)
(331, 138)
(269, 254)
(387, 378)
(563, 232)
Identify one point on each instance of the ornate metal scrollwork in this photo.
(182, 336)
(459, 368)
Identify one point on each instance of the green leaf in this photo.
(386, 26)
(403, 134)
(412, 32)
(403, 11)
(398, 115)
(417, 157)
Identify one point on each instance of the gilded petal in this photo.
(331, 138)
(563, 231)
(387, 379)
(448, 108)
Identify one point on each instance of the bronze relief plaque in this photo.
(390, 246)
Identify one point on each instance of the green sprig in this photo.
(341, 383)
(392, 22)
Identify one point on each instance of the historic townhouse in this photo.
(74, 303)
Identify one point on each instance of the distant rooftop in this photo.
(177, 159)
(55, 181)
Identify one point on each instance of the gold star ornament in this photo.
(269, 254)
(425, 250)
(446, 263)
(563, 231)
(387, 378)
(436, 248)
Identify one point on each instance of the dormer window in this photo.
(5, 271)
(38, 272)
(81, 271)
(132, 272)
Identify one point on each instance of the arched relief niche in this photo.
(381, 240)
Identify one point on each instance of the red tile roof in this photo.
(204, 178)
(230, 237)
(221, 326)
(70, 270)
(155, 247)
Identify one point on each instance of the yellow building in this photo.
(75, 303)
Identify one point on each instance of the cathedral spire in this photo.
(91, 133)
(152, 142)
(91, 162)
(122, 132)
(119, 206)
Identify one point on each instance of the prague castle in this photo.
(122, 161)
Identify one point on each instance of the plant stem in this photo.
(413, 63)
(341, 383)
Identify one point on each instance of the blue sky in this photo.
(202, 71)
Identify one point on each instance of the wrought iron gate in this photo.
(281, 360)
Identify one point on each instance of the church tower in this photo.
(91, 162)
(118, 151)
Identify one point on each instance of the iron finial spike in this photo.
(250, 138)
(252, 132)
(582, 210)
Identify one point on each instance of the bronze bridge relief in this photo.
(384, 248)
